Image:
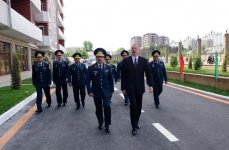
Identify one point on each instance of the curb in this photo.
(201, 91)
(11, 112)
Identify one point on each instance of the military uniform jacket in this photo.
(114, 72)
(158, 72)
(60, 71)
(77, 74)
(41, 75)
(102, 81)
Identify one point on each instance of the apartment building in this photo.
(27, 26)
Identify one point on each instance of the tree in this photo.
(197, 63)
(173, 61)
(190, 62)
(84, 54)
(88, 46)
(118, 51)
(15, 73)
(224, 65)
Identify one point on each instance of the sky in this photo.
(111, 23)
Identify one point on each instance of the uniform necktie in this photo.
(135, 62)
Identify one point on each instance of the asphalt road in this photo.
(184, 122)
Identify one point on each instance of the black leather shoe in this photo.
(157, 106)
(49, 105)
(138, 127)
(58, 105)
(107, 130)
(78, 107)
(64, 104)
(100, 127)
(134, 132)
(38, 111)
(83, 104)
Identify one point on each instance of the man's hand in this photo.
(165, 82)
(118, 80)
(124, 92)
(70, 84)
(150, 89)
(91, 94)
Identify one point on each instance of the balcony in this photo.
(60, 21)
(42, 17)
(36, 5)
(59, 7)
(61, 35)
(62, 48)
(46, 43)
(19, 27)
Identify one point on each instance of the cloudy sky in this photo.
(111, 23)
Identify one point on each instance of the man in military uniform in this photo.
(100, 75)
(158, 72)
(124, 54)
(77, 79)
(41, 76)
(60, 70)
(113, 68)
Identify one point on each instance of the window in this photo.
(5, 58)
(22, 53)
(42, 29)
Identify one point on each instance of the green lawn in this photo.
(10, 98)
(201, 87)
(206, 70)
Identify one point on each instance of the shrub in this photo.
(197, 63)
(224, 65)
(173, 61)
(190, 62)
(15, 73)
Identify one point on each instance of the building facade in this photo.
(154, 39)
(136, 40)
(163, 41)
(27, 26)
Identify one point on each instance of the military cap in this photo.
(108, 55)
(76, 55)
(100, 52)
(124, 51)
(39, 53)
(156, 51)
(59, 51)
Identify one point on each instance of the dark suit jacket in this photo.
(133, 78)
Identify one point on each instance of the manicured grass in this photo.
(201, 87)
(206, 70)
(10, 98)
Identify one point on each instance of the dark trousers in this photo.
(79, 89)
(135, 107)
(103, 103)
(126, 99)
(58, 92)
(157, 90)
(40, 95)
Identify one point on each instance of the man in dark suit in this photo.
(77, 79)
(158, 72)
(100, 86)
(124, 54)
(133, 69)
(60, 70)
(41, 76)
(113, 68)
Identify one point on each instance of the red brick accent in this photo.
(44, 5)
(22, 7)
(61, 42)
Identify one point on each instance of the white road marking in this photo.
(122, 95)
(165, 132)
(143, 111)
(115, 89)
